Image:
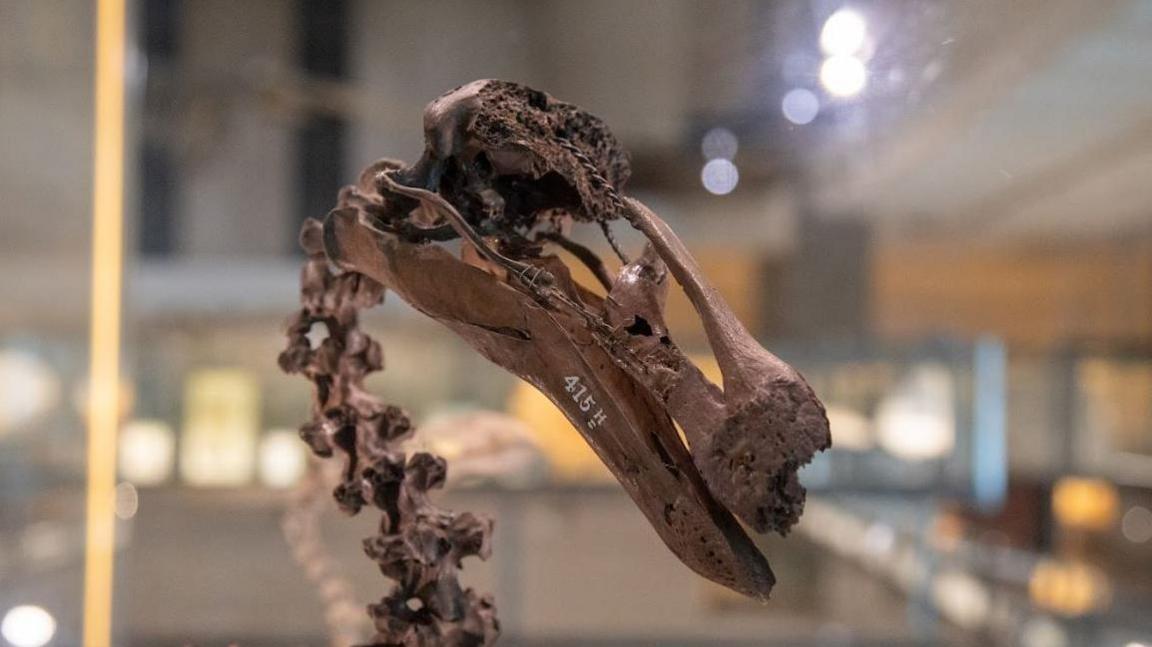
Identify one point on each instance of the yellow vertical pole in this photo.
(104, 341)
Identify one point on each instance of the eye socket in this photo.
(640, 327)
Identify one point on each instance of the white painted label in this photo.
(576, 387)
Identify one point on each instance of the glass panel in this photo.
(46, 117)
(937, 210)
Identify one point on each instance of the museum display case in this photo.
(937, 213)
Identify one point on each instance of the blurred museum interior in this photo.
(939, 210)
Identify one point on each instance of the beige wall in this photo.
(1032, 297)
(45, 163)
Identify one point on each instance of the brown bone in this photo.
(769, 423)
(507, 169)
(418, 545)
(634, 436)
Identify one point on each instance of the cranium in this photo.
(508, 169)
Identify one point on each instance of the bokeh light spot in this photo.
(843, 76)
(720, 176)
(282, 458)
(28, 626)
(147, 452)
(843, 33)
(1136, 525)
(127, 500)
(719, 143)
(800, 106)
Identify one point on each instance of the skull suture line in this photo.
(509, 169)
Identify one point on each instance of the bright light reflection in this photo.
(962, 598)
(1068, 588)
(843, 76)
(28, 626)
(719, 143)
(917, 421)
(221, 414)
(720, 176)
(282, 458)
(843, 33)
(851, 428)
(800, 106)
(1085, 503)
(28, 389)
(147, 452)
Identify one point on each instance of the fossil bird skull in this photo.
(501, 161)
